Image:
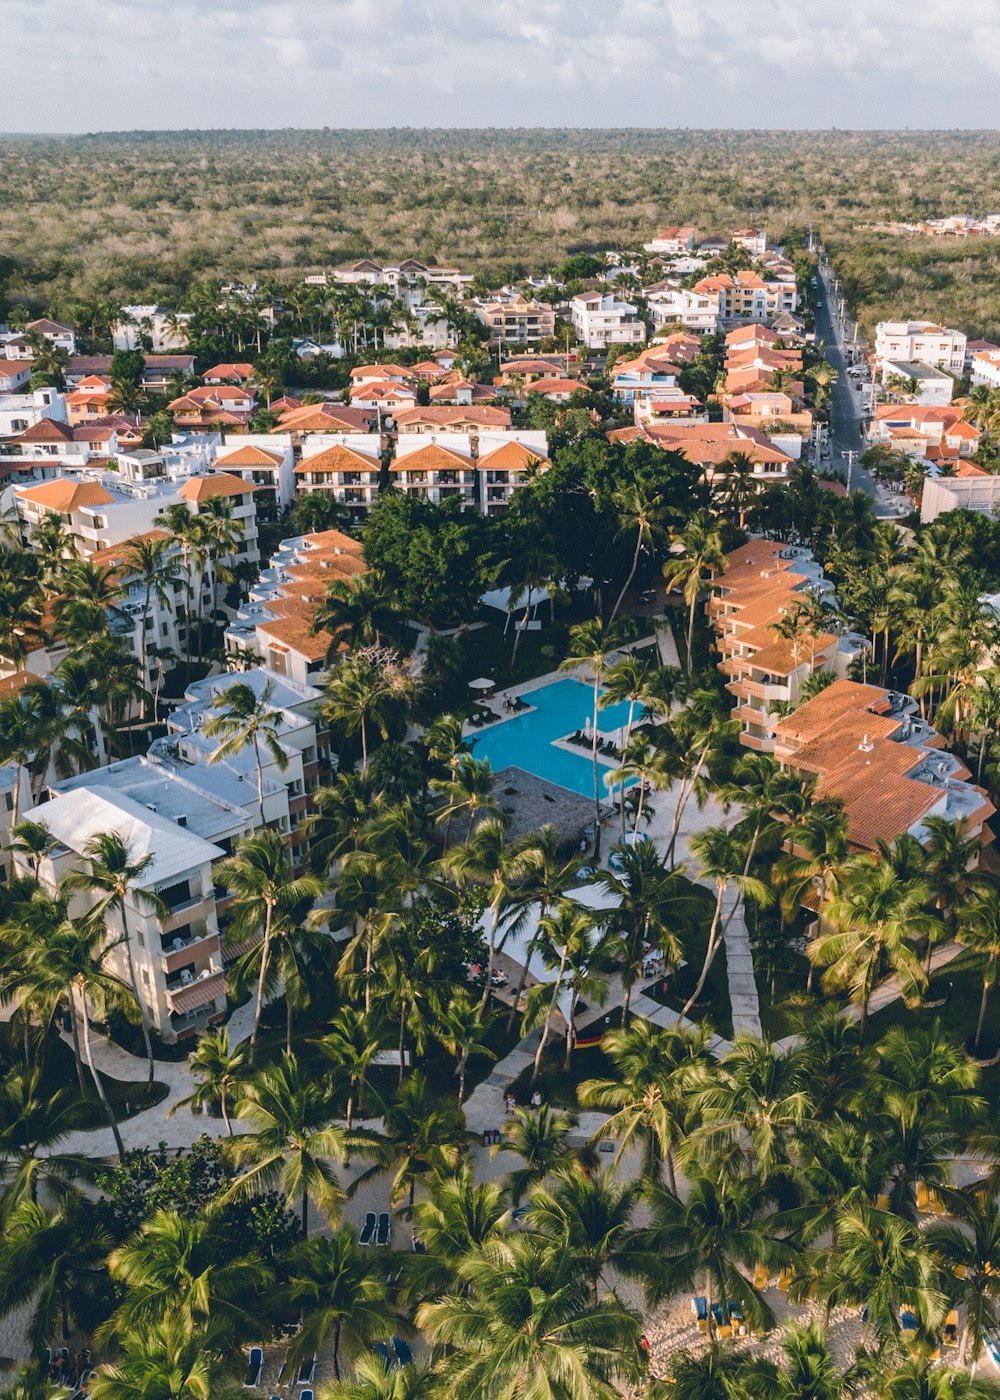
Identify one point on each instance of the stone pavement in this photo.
(743, 1000)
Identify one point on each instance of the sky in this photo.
(112, 65)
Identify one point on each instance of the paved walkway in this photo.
(744, 1003)
(667, 647)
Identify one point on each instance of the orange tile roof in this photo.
(201, 488)
(477, 417)
(433, 457)
(250, 456)
(64, 495)
(338, 459)
(829, 707)
(511, 456)
(17, 680)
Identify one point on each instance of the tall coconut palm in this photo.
(699, 549)
(114, 876)
(220, 1070)
(169, 1360)
(807, 1370)
(651, 1096)
(180, 1264)
(640, 509)
(970, 1250)
(65, 957)
(32, 840)
(713, 1238)
(245, 719)
(364, 690)
(919, 1378)
(469, 789)
(881, 1263)
(341, 1293)
(568, 926)
(31, 1382)
(352, 1044)
(259, 874)
(456, 1219)
(33, 1124)
(875, 919)
(818, 852)
(222, 536)
(460, 1028)
(592, 1215)
(371, 1381)
(757, 1098)
(979, 930)
(545, 878)
(289, 1140)
(520, 1322)
(360, 610)
(420, 1136)
(653, 905)
(541, 1138)
(50, 1258)
(493, 864)
(589, 646)
(150, 560)
(722, 858)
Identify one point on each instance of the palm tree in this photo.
(881, 1263)
(700, 545)
(169, 1360)
(567, 927)
(32, 1125)
(457, 1219)
(979, 931)
(757, 1096)
(639, 509)
(33, 840)
(260, 876)
(736, 484)
(970, 1251)
(32, 1383)
(371, 1381)
(247, 720)
(920, 1378)
(540, 1137)
(469, 788)
(183, 526)
(651, 1094)
(713, 1238)
(722, 858)
(521, 1322)
(460, 1027)
(807, 1371)
(18, 741)
(493, 864)
(290, 1139)
(589, 645)
(818, 851)
(652, 905)
(591, 1215)
(150, 560)
(353, 1044)
(49, 1258)
(221, 1072)
(363, 690)
(420, 1136)
(359, 610)
(717, 1374)
(114, 877)
(180, 1265)
(876, 916)
(64, 957)
(340, 1290)
(222, 536)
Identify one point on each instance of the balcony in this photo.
(196, 992)
(758, 690)
(181, 912)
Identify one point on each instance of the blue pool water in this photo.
(526, 740)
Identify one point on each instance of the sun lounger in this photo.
(923, 1198)
(760, 1277)
(950, 1337)
(307, 1372)
(368, 1228)
(993, 1349)
(403, 1353)
(937, 1203)
(417, 1245)
(785, 1279)
(255, 1368)
(383, 1232)
(699, 1306)
(882, 1202)
(306, 1394)
(383, 1351)
(908, 1324)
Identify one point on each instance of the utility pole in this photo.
(850, 454)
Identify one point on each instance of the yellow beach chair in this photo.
(785, 1279)
(923, 1198)
(950, 1337)
(937, 1204)
(760, 1277)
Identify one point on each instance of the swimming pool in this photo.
(526, 740)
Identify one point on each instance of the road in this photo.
(845, 412)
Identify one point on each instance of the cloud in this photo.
(359, 63)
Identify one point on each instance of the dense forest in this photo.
(143, 215)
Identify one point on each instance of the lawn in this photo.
(59, 1072)
(957, 989)
(557, 1085)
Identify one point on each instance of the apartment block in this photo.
(600, 319)
(924, 341)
